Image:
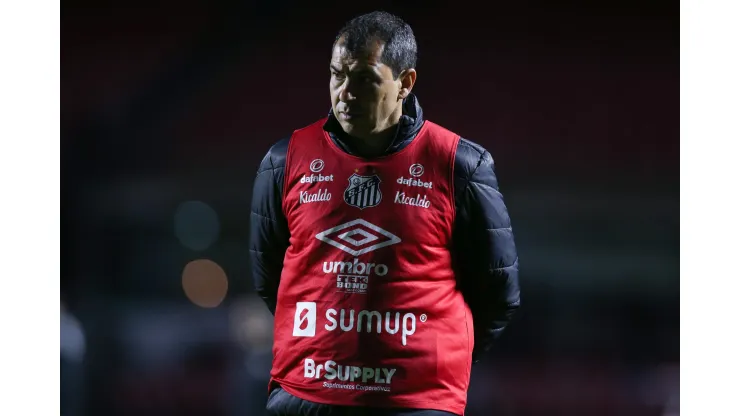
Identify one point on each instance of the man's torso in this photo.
(368, 310)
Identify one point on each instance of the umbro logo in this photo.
(358, 237)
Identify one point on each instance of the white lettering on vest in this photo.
(347, 322)
(356, 267)
(413, 182)
(418, 201)
(334, 371)
(353, 277)
(321, 195)
(317, 178)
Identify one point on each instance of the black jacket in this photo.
(485, 255)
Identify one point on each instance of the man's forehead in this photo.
(368, 56)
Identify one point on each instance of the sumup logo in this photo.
(396, 323)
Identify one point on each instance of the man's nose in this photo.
(345, 93)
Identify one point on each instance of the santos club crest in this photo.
(363, 191)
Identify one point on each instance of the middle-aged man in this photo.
(381, 243)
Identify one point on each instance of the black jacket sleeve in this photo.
(268, 233)
(483, 246)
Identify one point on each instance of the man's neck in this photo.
(375, 144)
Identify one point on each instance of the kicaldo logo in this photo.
(309, 197)
(417, 201)
(393, 323)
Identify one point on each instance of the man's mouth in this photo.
(347, 115)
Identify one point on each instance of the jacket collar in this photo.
(406, 130)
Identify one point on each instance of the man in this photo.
(381, 244)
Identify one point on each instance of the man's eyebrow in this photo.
(361, 71)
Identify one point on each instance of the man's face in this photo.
(364, 93)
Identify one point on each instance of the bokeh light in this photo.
(196, 225)
(251, 323)
(205, 283)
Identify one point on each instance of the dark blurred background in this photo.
(168, 107)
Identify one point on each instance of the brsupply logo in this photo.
(331, 370)
(344, 237)
(354, 277)
(316, 166)
(304, 323)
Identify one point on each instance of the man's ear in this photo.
(407, 79)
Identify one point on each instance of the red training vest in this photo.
(368, 313)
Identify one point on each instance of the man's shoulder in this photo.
(276, 155)
(469, 159)
(469, 155)
(468, 147)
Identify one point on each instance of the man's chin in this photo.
(352, 127)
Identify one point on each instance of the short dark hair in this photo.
(400, 44)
